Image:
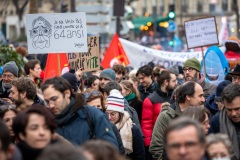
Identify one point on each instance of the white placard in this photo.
(201, 32)
(55, 33)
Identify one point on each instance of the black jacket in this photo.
(4, 93)
(144, 93)
(137, 105)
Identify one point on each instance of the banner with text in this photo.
(145, 55)
(57, 32)
(87, 61)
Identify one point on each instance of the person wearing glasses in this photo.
(184, 139)
(192, 72)
(235, 74)
(9, 73)
(7, 115)
(71, 114)
(131, 135)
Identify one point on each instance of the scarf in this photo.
(227, 127)
(66, 114)
(130, 96)
(28, 153)
(125, 128)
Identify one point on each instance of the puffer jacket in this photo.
(152, 106)
(144, 93)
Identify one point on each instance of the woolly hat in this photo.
(11, 67)
(194, 63)
(108, 74)
(72, 79)
(174, 69)
(220, 88)
(115, 101)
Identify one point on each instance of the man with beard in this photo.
(9, 73)
(191, 71)
(107, 75)
(147, 84)
(152, 105)
(188, 94)
(24, 93)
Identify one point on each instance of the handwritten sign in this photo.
(88, 61)
(52, 33)
(201, 32)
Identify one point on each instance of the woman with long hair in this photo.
(132, 96)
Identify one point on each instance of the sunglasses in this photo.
(7, 107)
(93, 93)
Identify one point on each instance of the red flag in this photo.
(57, 64)
(115, 54)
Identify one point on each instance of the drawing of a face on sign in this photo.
(41, 33)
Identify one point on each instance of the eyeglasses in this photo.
(10, 76)
(236, 78)
(93, 93)
(187, 145)
(52, 99)
(188, 69)
(7, 107)
(112, 114)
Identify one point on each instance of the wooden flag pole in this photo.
(204, 65)
(59, 67)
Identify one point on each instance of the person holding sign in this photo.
(191, 71)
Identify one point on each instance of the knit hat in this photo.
(220, 88)
(72, 79)
(115, 101)
(11, 67)
(108, 74)
(194, 63)
(174, 69)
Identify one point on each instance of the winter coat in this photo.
(132, 112)
(73, 124)
(137, 105)
(138, 145)
(145, 93)
(4, 93)
(208, 88)
(167, 114)
(211, 105)
(152, 106)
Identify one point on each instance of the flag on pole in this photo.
(115, 54)
(57, 64)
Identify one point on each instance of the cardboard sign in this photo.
(87, 61)
(52, 33)
(201, 32)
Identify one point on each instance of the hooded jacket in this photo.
(73, 124)
(167, 114)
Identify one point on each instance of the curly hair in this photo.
(119, 69)
(24, 84)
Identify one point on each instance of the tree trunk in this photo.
(33, 7)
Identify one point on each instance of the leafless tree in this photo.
(20, 6)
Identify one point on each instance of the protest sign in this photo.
(201, 32)
(58, 32)
(87, 61)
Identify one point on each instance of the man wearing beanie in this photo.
(191, 71)
(107, 75)
(9, 73)
(72, 79)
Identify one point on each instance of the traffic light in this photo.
(171, 13)
(64, 7)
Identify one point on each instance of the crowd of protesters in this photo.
(149, 113)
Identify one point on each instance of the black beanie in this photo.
(72, 79)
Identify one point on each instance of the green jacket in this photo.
(167, 114)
